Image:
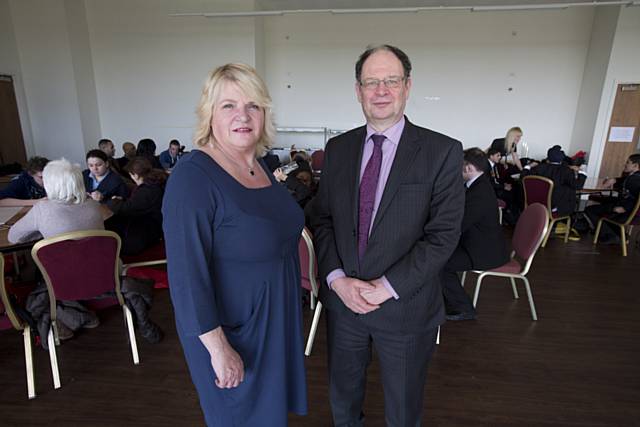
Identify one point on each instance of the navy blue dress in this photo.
(233, 262)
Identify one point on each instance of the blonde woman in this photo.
(508, 147)
(231, 236)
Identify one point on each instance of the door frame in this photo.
(23, 112)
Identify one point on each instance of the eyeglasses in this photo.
(389, 83)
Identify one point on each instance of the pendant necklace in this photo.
(237, 165)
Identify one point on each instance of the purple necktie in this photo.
(368, 186)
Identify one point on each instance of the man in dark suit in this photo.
(563, 199)
(482, 245)
(386, 219)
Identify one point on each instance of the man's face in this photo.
(37, 177)
(495, 158)
(173, 150)
(129, 149)
(305, 178)
(631, 167)
(382, 106)
(97, 166)
(109, 149)
(467, 171)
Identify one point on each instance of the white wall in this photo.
(48, 75)
(604, 29)
(467, 59)
(624, 67)
(150, 67)
(10, 65)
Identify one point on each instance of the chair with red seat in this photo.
(309, 272)
(539, 189)
(9, 319)
(317, 160)
(632, 219)
(141, 265)
(530, 230)
(80, 265)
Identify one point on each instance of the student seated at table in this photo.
(138, 220)
(100, 182)
(66, 209)
(563, 199)
(26, 188)
(617, 208)
(508, 147)
(482, 244)
(169, 157)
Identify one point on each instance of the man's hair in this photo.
(146, 148)
(635, 158)
(98, 154)
(493, 151)
(174, 142)
(476, 157)
(402, 57)
(36, 164)
(103, 143)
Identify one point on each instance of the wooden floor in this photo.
(579, 365)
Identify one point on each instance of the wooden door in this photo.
(626, 114)
(11, 142)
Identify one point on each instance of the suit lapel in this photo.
(356, 149)
(405, 155)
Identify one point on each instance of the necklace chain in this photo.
(238, 165)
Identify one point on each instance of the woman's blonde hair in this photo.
(508, 139)
(251, 85)
(63, 181)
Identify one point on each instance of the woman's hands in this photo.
(226, 362)
(96, 195)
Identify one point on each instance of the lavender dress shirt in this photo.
(389, 148)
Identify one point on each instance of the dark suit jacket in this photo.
(482, 236)
(416, 228)
(564, 185)
(111, 185)
(628, 191)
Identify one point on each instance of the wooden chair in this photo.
(8, 319)
(538, 189)
(632, 219)
(309, 273)
(81, 265)
(530, 230)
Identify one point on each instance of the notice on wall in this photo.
(621, 134)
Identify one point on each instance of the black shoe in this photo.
(466, 315)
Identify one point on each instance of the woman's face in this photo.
(136, 178)
(97, 167)
(516, 137)
(237, 120)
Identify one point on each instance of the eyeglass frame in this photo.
(364, 84)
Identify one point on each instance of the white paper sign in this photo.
(621, 134)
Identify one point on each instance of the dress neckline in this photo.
(260, 162)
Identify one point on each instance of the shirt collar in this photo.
(393, 133)
(472, 180)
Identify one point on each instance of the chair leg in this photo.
(598, 227)
(438, 336)
(546, 236)
(28, 361)
(515, 290)
(566, 234)
(500, 216)
(534, 315)
(53, 358)
(462, 279)
(623, 240)
(312, 300)
(477, 291)
(128, 323)
(314, 328)
(56, 339)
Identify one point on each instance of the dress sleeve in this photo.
(189, 209)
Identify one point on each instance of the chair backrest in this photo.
(634, 218)
(529, 233)
(79, 265)
(308, 262)
(317, 160)
(537, 189)
(8, 317)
